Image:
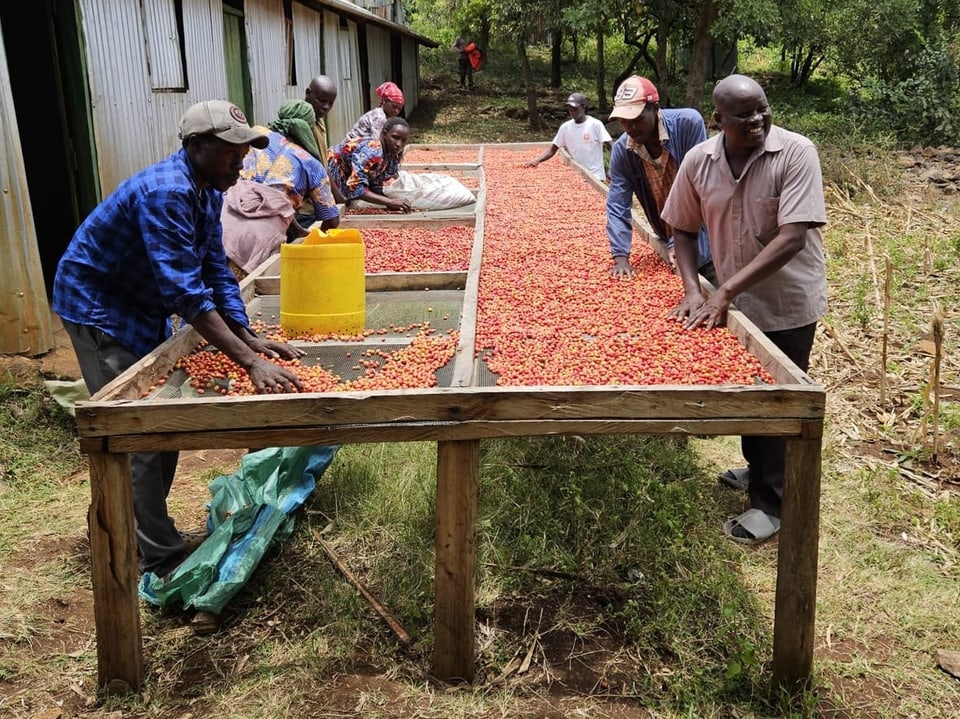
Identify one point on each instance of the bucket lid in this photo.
(319, 237)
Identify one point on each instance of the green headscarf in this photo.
(295, 120)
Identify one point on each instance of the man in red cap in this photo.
(643, 163)
(584, 137)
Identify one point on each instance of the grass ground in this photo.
(600, 559)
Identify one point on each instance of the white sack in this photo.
(429, 191)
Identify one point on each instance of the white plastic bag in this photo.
(429, 191)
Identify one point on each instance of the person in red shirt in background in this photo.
(466, 68)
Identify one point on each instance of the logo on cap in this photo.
(627, 94)
(237, 114)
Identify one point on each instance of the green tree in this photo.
(593, 19)
(517, 19)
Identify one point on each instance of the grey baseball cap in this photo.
(221, 119)
(577, 98)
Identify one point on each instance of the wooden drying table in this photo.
(116, 421)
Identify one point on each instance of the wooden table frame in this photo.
(116, 422)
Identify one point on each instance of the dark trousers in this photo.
(102, 359)
(765, 455)
(709, 273)
(466, 72)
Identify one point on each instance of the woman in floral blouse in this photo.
(360, 166)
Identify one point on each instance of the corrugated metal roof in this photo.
(361, 15)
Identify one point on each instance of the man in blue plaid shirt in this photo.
(153, 249)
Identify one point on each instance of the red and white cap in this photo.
(632, 97)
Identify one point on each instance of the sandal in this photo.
(755, 523)
(192, 539)
(205, 623)
(735, 478)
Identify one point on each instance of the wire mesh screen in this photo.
(395, 318)
(441, 308)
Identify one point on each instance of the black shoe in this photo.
(167, 571)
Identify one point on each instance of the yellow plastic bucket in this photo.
(322, 284)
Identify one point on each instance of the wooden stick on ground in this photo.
(341, 566)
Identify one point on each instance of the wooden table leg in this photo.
(458, 471)
(796, 599)
(113, 555)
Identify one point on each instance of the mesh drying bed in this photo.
(441, 308)
(400, 309)
(332, 356)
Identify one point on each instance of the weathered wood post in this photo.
(113, 555)
(796, 597)
(458, 472)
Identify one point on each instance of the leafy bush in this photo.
(922, 106)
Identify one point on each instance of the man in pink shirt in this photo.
(758, 190)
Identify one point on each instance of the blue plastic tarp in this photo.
(249, 509)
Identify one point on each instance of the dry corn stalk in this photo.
(888, 273)
(937, 326)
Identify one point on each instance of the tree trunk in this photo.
(601, 72)
(556, 46)
(700, 54)
(662, 80)
(528, 83)
(484, 40)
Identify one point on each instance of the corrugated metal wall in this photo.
(267, 55)
(411, 73)
(25, 322)
(342, 63)
(308, 43)
(133, 125)
(378, 61)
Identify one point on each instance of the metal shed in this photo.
(120, 75)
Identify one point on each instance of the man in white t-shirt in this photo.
(583, 136)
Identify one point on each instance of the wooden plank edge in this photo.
(421, 220)
(466, 346)
(772, 358)
(434, 431)
(386, 282)
(447, 166)
(766, 402)
(513, 146)
(140, 376)
(442, 146)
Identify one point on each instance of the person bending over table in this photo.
(259, 211)
(150, 250)
(585, 138)
(360, 166)
(643, 163)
